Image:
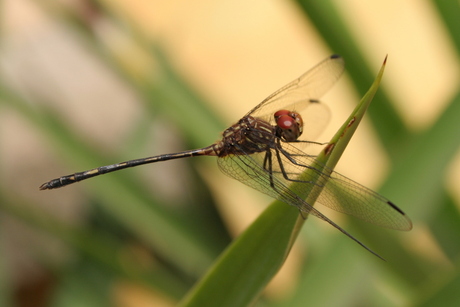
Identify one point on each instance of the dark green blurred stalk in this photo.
(449, 12)
(102, 250)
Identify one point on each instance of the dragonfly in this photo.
(264, 151)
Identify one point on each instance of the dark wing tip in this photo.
(402, 213)
(395, 207)
(335, 56)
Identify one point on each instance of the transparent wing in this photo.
(299, 94)
(247, 170)
(316, 116)
(273, 171)
(341, 193)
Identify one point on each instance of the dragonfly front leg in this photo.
(290, 156)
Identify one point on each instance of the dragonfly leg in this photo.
(308, 142)
(293, 161)
(283, 171)
(269, 167)
(304, 142)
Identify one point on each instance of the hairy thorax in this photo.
(249, 135)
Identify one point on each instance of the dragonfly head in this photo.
(289, 124)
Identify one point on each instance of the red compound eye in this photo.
(284, 119)
(281, 112)
(290, 123)
(285, 122)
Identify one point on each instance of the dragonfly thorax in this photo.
(249, 135)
